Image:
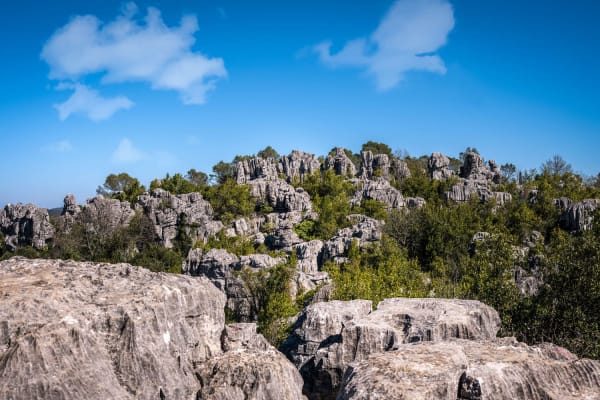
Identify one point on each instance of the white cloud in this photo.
(126, 152)
(90, 103)
(130, 48)
(405, 40)
(62, 146)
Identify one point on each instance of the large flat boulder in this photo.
(502, 369)
(81, 330)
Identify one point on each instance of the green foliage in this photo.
(371, 208)
(272, 302)
(175, 184)
(238, 245)
(378, 148)
(330, 195)
(122, 187)
(197, 178)
(158, 259)
(230, 200)
(375, 273)
(222, 171)
(268, 152)
(306, 229)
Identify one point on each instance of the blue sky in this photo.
(95, 87)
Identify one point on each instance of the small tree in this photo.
(121, 186)
(556, 166)
(268, 152)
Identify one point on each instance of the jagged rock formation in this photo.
(340, 163)
(250, 368)
(73, 330)
(437, 166)
(380, 165)
(280, 195)
(501, 369)
(380, 189)
(296, 165)
(111, 213)
(170, 213)
(579, 216)
(365, 231)
(330, 336)
(25, 225)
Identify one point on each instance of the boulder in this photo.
(255, 168)
(330, 336)
(438, 166)
(340, 163)
(308, 255)
(172, 213)
(298, 165)
(399, 169)
(579, 216)
(474, 168)
(463, 191)
(81, 330)
(280, 195)
(365, 231)
(250, 369)
(472, 370)
(377, 165)
(70, 206)
(25, 225)
(380, 189)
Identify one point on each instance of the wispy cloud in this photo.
(131, 48)
(62, 146)
(406, 39)
(90, 103)
(126, 153)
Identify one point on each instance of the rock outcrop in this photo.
(25, 225)
(380, 189)
(171, 213)
(72, 330)
(249, 369)
(365, 231)
(298, 165)
(330, 336)
(579, 216)
(501, 369)
(438, 166)
(280, 195)
(340, 163)
(255, 168)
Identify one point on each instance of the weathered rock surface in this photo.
(374, 165)
(110, 213)
(438, 166)
(170, 213)
(280, 195)
(579, 216)
(463, 191)
(308, 255)
(25, 225)
(380, 189)
(329, 336)
(255, 168)
(298, 165)
(365, 231)
(502, 369)
(71, 330)
(249, 369)
(340, 163)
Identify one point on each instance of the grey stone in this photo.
(365, 231)
(579, 216)
(255, 168)
(298, 165)
(25, 225)
(75, 330)
(340, 163)
(308, 255)
(437, 166)
(500, 369)
(280, 195)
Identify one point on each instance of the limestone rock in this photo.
(327, 338)
(340, 163)
(250, 369)
(321, 324)
(25, 225)
(298, 165)
(437, 166)
(70, 206)
(380, 189)
(399, 169)
(474, 168)
(308, 255)
(365, 230)
(74, 330)
(374, 165)
(255, 168)
(112, 213)
(469, 370)
(280, 195)
(502, 197)
(463, 191)
(579, 216)
(170, 213)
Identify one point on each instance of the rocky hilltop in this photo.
(94, 331)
